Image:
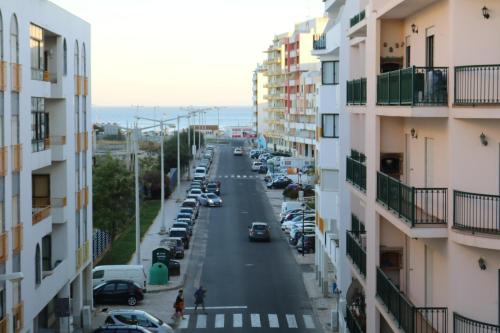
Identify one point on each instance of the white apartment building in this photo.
(420, 157)
(259, 103)
(45, 168)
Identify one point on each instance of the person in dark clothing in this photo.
(179, 305)
(199, 298)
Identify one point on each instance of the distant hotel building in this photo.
(45, 167)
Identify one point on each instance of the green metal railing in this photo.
(356, 173)
(355, 251)
(356, 92)
(462, 324)
(413, 86)
(352, 323)
(476, 212)
(478, 84)
(357, 226)
(417, 206)
(358, 18)
(319, 42)
(410, 318)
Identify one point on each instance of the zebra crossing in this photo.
(237, 176)
(251, 320)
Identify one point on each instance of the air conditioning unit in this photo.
(86, 318)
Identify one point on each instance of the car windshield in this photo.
(153, 319)
(195, 191)
(212, 196)
(177, 233)
(212, 186)
(259, 227)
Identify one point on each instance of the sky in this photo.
(184, 52)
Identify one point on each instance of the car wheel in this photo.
(132, 301)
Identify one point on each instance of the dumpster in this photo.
(158, 274)
(162, 255)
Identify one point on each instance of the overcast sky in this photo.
(184, 52)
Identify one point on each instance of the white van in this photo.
(105, 273)
(200, 172)
(289, 205)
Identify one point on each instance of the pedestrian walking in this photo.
(179, 305)
(199, 298)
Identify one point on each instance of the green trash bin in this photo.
(158, 274)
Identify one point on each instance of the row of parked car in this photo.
(298, 223)
(126, 284)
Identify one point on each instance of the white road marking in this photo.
(244, 176)
(201, 321)
(219, 320)
(292, 322)
(226, 176)
(237, 320)
(184, 322)
(308, 321)
(238, 176)
(219, 307)
(232, 176)
(273, 320)
(255, 320)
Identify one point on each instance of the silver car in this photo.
(139, 318)
(210, 200)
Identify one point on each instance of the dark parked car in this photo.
(309, 244)
(118, 292)
(182, 233)
(121, 329)
(280, 183)
(259, 231)
(175, 245)
(263, 169)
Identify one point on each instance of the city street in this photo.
(250, 286)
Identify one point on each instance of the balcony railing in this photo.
(410, 318)
(479, 84)
(319, 42)
(38, 145)
(462, 324)
(356, 173)
(358, 18)
(17, 238)
(355, 251)
(413, 86)
(17, 157)
(3, 75)
(417, 206)
(41, 209)
(18, 317)
(352, 322)
(356, 92)
(476, 212)
(3, 247)
(16, 77)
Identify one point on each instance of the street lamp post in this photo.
(162, 179)
(178, 156)
(137, 206)
(301, 198)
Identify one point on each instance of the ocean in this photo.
(125, 116)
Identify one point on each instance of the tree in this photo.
(113, 194)
(170, 154)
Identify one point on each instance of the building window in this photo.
(39, 124)
(37, 52)
(65, 58)
(329, 180)
(330, 72)
(429, 48)
(14, 40)
(330, 125)
(38, 265)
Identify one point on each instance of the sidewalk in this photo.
(322, 305)
(152, 238)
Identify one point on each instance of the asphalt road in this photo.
(250, 286)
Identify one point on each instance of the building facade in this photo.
(421, 169)
(45, 167)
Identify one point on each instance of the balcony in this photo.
(17, 238)
(41, 209)
(410, 319)
(38, 145)
(356, 173)
(356, 92)
(357, 18)
(58, 210)
(16, 76)
(413, 86)
(78, 85)
(355, 251)
(477, 85)
(4, 240)
(3, 75)
(418, 207)
(463, 324)
(474, 212)
(85, 86)
(17, 157)
(319, 41)
(18, 317)
(352, 322)
(3, 161)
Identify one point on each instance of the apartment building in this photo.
(259, 88)
(422, 169)
(45, 168)
(293, 76)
